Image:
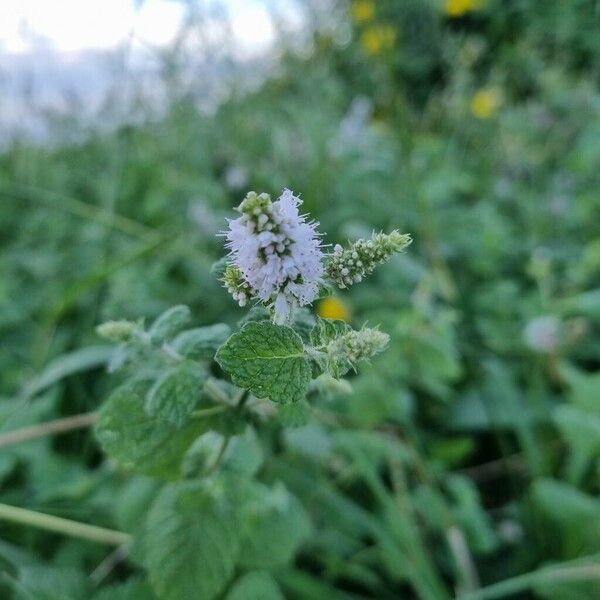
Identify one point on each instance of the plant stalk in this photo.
(58, 426)
(83, 531)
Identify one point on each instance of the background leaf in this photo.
(194, 542)
(256, 585)
(175, 394)
(139, 441)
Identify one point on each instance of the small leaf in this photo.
(169, 323)
(256, 585)
(324, 332)
(218, 267)
(68, 364)
(175, 394)
(201, 343)
(327, 330)
(268, 360)
(274, 525)
(139, 441)
(303, 324)
(195, 541)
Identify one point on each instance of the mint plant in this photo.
(193, 403)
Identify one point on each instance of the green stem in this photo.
(222, 450)
(85, 210)
(240, 401)
(207, 412)
(567, 572)
(63, 526)
(212, 389)
(43, 429)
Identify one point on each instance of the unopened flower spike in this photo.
(347, 266)
(117, 331)
(347, 350)
(275, 254)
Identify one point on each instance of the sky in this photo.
(52, 51)
(67, 26)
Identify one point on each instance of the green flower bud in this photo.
(255, 204)
(234, 283)
(117, 331)
(356, 346)
(349, 265)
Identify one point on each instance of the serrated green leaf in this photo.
(274, 525)
(175, 394)
(256, 585)
(139, 441)
(195, 541)
(169, 323)
(268, 360)
(201, 343)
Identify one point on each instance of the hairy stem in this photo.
(571, 571)
(43, 429)
(63, 526)
(207, 412)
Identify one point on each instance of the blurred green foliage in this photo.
(468, 454)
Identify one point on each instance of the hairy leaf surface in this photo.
(268, 360)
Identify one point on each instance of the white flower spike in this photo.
(276, 254)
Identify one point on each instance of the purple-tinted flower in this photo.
(276, 252)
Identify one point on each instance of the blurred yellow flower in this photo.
(333, 308)
(485, 102)
(363, 10)
(457, 8)
(377, 38)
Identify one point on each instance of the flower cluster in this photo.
(354, 346)
(543, 334)
(349, 265)
(363, 10)
(378, 38)
(485, 103)
(458, 8)
(275, 254)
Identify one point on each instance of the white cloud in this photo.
(73, 25)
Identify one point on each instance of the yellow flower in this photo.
(485, 102)
(458, 8)
(363, 10)
(377, 38)
(333, 308)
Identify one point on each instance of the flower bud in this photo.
(116, 331)
(356, 346)
(349, 265)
